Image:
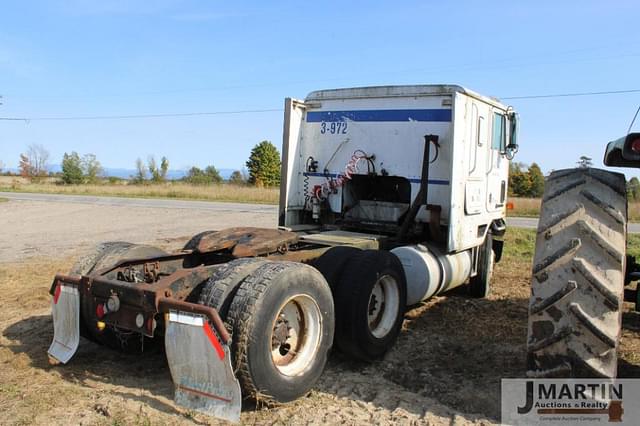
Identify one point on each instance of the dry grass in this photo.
(437, 357)
(175, 190)
(530, 207)
(527, 207)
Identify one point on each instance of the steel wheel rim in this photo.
(384, 303)
(295, 335)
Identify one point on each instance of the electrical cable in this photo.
(322, 191)
(138, 116)
(256, 111)
(634, 120)
(568, 95)
(305, 182)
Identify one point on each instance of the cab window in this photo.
(498, 139)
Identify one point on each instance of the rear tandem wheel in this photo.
(282, 323)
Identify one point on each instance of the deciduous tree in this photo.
(164, 168)
(208, 176)
(72, 169)
(141, 172)
(633, 188)
(237, 178)
(34, 163)
(537, 181)
(91, 168)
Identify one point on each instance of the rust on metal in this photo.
(164, 305)
(248, 241)
(148, 286)
(300, 255)
(71, 279)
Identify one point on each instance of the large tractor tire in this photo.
(577, 284)
(282, 323)
(370, 297)
(100, 257)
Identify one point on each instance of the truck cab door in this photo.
(497, 167)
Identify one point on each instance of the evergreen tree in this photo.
(264, 165)
(537, 181)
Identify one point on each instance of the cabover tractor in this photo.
(389, 195)
(581, 274)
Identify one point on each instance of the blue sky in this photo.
(117, 57)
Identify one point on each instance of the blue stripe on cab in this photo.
(381, 115)
(412, 180)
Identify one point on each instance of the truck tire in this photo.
(282, 322)
(86, 264)
(577, 283)
(370, 297)
(100, 257)
(219, 290)
(332, 262)
(480, 285)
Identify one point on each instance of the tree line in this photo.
(263, 168)
(525, 181)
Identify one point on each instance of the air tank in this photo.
(430, 272)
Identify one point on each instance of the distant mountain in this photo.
(171, 174)
(127, 173)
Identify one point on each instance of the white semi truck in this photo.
(389, 195)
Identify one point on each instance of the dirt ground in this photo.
(445, 368)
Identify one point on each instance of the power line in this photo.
(568, 95)
(137, 116)
(258, 111)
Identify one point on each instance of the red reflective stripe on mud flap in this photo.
(213, 339)
(201, 393)
(56, 294)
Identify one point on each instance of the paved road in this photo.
(532, 223)
(142, 202)
(518, 222)
(53, 226)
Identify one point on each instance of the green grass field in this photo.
(520, 244)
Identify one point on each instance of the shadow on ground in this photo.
(453, 351)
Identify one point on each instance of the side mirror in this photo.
(623, 152)
(512, 146)
(631, 149)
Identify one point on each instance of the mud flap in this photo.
(65, 308)
(201, 367)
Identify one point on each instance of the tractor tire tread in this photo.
(578, 276)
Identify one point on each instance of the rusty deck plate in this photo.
(248, 241)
